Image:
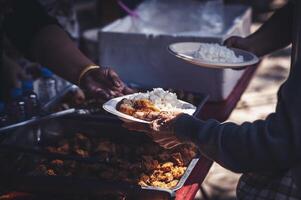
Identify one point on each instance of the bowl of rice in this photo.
(213, 55)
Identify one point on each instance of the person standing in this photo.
(267, 152)
(40, 38)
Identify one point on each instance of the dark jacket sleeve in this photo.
(264, 145)
(23, 21)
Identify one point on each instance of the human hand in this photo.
(239, 43)
(161, 130)
(103, 83)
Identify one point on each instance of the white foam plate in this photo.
(186, 51)
(110, 106)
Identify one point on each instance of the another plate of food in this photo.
(149, 106)
(213, 55)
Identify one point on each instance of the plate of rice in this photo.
(213, 55)
(149, 106)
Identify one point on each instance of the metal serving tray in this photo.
(51, 130)
(20, 181)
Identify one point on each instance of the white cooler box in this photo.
(143, 59)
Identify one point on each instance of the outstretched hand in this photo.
(239, 43)
(104, 83)
(161, 131)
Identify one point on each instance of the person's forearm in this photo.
(258, 146)
(53, 48)
(275, 34)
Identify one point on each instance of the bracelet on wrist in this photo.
(85, 70)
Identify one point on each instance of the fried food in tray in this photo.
(146, 165)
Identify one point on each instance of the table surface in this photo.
(219, 111)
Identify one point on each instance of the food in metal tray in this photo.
(146, 165)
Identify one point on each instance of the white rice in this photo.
(164, 100)
(217, 53)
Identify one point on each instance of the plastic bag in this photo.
(178, 16)
(212, 17)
